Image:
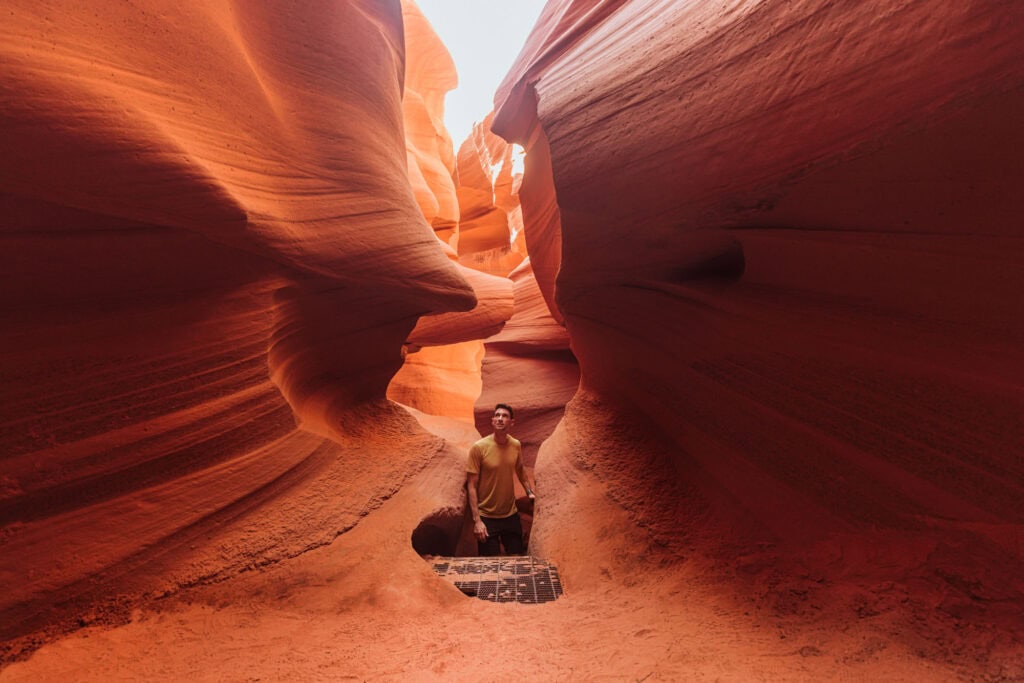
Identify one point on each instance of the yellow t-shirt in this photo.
(496, 465)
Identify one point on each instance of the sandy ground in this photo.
(367, 607)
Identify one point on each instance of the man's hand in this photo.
(480, 531)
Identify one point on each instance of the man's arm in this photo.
(479, 530)
(524, 478)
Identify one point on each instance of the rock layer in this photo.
(782, 235)
(790, 249)
(198, 259)
(441, 372)
(429, 75)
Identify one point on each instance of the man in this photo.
(492, 498)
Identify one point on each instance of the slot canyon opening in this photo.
(787, 245)
(491, 210)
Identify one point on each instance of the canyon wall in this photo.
(790, 262)
(212, 256)
(783, 238)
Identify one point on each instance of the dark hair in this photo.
(507, 407)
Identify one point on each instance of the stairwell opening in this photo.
(445, 541)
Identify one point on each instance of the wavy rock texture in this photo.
(446, 380)
(527, 362)
(485, 192)
(528, 365)
(197, 258)
(441, 373)
(784, 237)
(429, 75)
(790, 261)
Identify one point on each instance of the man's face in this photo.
(501, 420)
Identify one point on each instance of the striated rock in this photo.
(444, 381)
(447, 377)
(441, 380)
(494, 306)
(528, 365)
(210, 240)
(539, 213)
(485, 191)
(429, 75)
(784, 237)
(491, 244)
(532, 328)
(789, 268)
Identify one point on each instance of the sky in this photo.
(484, 38)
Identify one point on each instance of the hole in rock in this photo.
(439, 533)
(445, 540)
(522, 579)
(448, 532)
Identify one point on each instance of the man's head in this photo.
(502, 418)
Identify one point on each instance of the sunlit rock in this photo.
(486, 197)
(429, 75)
(212, 260)
(441, 380)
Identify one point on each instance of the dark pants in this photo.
(508, 531)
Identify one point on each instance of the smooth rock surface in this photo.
(790, 256)
(207, 284)
(782, 237)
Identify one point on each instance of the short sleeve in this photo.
(473, 462)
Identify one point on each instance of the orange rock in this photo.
(784, 251)
(485, 192)
(531, 328)
(211, 239)
(495, 306)
(784, 236)
(441, 380)
(429, 74)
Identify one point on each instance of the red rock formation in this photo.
(783, 235)
(429, 75)
(790, 264)
(486, 200)
(441, 373)
(209, 237)
(528, 365)
(490, 243)
(443, 352)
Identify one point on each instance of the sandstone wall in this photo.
(211, 257)
(789, 264)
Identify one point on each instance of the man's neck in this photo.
(501, 438)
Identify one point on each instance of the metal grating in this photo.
(502, 579)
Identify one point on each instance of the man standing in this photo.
(492, 498)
